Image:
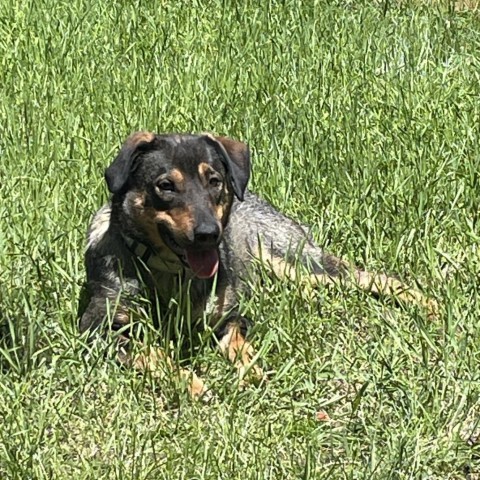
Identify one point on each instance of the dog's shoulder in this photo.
(99, 229)
(106, 252)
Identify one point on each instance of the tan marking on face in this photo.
(204, 169)
(178, 177)
(145, 219)
(178, 219)
(221, 210)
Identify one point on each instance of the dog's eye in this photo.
(166, 186)
(214, 182)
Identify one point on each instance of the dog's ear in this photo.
(236, 156)
(118, 172)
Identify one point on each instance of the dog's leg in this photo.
(152, 360)
(239, 350)
(380, 284)
(231, 332)
(336, 271)
(156, 362)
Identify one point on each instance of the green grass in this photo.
(364, 121)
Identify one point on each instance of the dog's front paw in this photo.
(432, 309)
(196, 387)
(250, 373)
(157, 363)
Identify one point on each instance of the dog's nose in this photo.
(207, 234)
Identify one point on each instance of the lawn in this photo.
(364, 121)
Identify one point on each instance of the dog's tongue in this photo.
(204, 263)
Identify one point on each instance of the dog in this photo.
(180, 213)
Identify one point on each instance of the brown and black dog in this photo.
(180, 214)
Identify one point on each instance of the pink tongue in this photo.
(204, 264)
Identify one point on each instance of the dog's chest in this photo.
(180, 290)
(166, 286)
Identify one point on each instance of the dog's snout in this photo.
(207, 234)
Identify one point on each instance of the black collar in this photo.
(151, 259)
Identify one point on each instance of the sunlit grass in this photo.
(363, 119)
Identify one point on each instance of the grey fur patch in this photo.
(99, 226)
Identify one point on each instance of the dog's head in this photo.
(177, 190)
